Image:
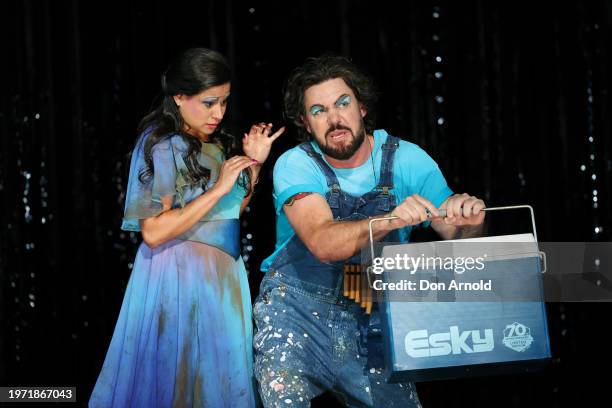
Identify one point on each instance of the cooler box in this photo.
(457, 337)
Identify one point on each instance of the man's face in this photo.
(334, 118)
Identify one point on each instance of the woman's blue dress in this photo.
(184, 333)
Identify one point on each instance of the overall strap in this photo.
(385, 183)
(330, 176)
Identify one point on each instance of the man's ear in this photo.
(363, 111)
(305, 124)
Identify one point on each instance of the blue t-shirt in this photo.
(414, 171)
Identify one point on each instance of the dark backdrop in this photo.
(510, 98)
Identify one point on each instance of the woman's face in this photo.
(203, 112)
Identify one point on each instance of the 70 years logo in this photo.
(517, 337)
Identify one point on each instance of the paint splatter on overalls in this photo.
(310, 338)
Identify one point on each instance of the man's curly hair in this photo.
(317, 70)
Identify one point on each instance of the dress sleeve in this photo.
(144, 199)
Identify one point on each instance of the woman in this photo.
(184, 332)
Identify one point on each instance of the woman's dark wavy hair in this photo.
(193, 71)
(317, 70)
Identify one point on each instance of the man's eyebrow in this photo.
(342, 97)
(316, 105)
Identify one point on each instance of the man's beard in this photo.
(344, 152)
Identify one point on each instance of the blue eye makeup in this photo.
(344, 100)
(315, 110)
(209, 102)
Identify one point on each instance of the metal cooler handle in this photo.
(443, 214)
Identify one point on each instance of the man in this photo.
(310, 338)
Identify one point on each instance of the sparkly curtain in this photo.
(511, 100)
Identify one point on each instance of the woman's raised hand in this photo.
(229, 172)
(257, 143)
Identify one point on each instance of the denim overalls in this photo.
(310, 338)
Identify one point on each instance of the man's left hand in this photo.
(462, 210)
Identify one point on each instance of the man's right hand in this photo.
(412, 211)
(332, 240)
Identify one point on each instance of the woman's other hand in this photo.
(258, 142)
